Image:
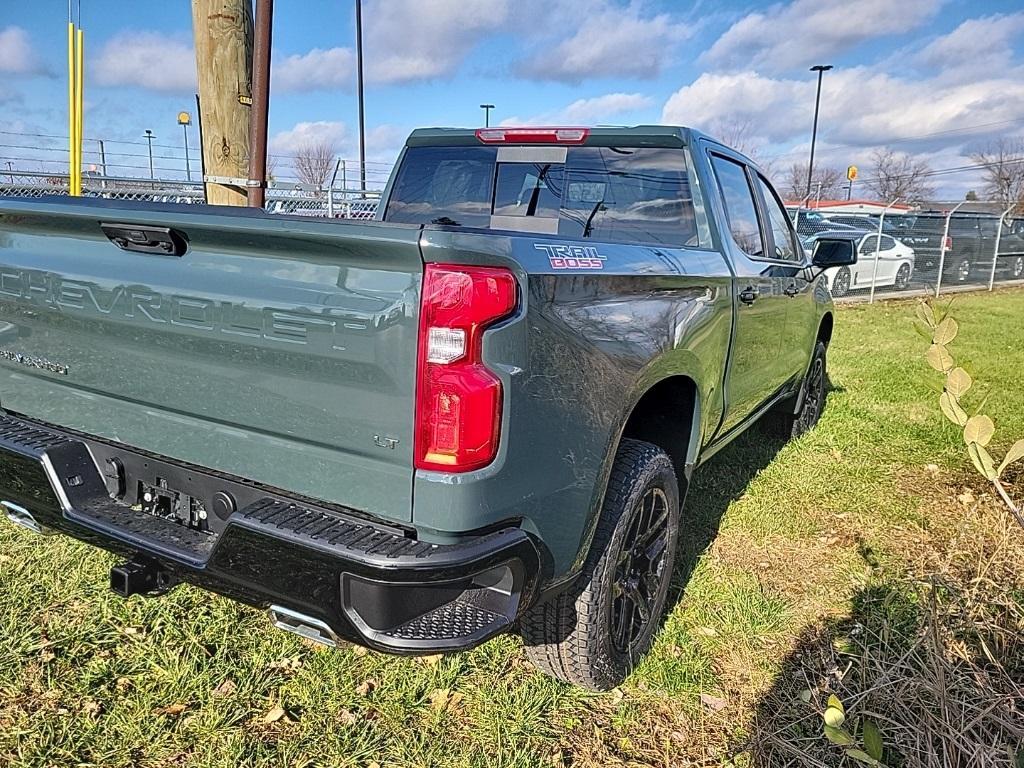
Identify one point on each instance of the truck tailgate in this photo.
(278, 350)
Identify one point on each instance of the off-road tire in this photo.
(569, 636)
(813, 391)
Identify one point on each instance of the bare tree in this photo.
(900, 176)
(313, 162)
(1003, 170)
(738, 134)
(826, 184)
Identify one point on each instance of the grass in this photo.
(822, 565)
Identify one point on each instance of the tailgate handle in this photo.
(162, 241)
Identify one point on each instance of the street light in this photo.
(487, 114)
(149, 138)
(359, 97)
(185, 120)
(821, 69)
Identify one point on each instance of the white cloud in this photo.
(334, 133)
(597, 109)
(608, 41)
(805, 32)
(317, 69)
(600, 108)
(17, 55)
(150, 60)
(977, 48)
(408, 40)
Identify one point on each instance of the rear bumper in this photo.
(361, 580)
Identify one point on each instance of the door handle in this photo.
(749, 295)
(791, 290)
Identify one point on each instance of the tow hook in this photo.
(140, 578)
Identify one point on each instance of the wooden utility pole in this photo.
(223, 34)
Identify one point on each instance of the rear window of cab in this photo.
(612, 194)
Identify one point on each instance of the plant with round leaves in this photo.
(941, 329)
(867, 750)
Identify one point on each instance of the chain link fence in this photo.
(929, 248)
(286, 198)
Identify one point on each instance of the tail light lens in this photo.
(949, 243)
(458, 399)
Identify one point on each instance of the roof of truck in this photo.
(636, 135)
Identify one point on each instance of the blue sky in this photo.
(936, 79)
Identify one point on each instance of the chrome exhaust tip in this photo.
(21, 517)
(304, 626)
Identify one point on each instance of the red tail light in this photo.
(458, 399)
(949, 243)
(532, 135)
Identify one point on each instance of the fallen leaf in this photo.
(288, 666)
(707, 631)
(171, 710)
(47, 656)
(966, 498)
(365, 687)
(91, 708)
(443, 698)
(226, 688)
(432, 659)
(616, 695)
(805, 695)
(358, 650)
(713, 702)
(274, 715)
(347, 717)
(933, 468)
(373, 764)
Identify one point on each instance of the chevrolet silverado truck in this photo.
(478, 413)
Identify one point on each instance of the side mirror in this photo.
(834, 252)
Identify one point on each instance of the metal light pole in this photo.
(149, 138)
(185, 120)
(259, 114)
(821, 69)
(487, 114)
(359, 96)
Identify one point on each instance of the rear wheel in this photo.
(841, 282)
(593, 634)
(1017, 267)
(903, 277)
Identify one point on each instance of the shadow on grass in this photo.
(715, 485)
(937, 667)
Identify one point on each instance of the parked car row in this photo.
(912, 247)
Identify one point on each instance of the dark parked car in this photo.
(970, 247)
(479, 413)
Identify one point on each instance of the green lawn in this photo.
(783, 543)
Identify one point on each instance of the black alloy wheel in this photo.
(639, 571)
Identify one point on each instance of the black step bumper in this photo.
(362, 580)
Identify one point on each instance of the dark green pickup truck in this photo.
(479, 413)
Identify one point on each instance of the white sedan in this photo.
(894, 265)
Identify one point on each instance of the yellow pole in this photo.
(79, 112)
(72, 104)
